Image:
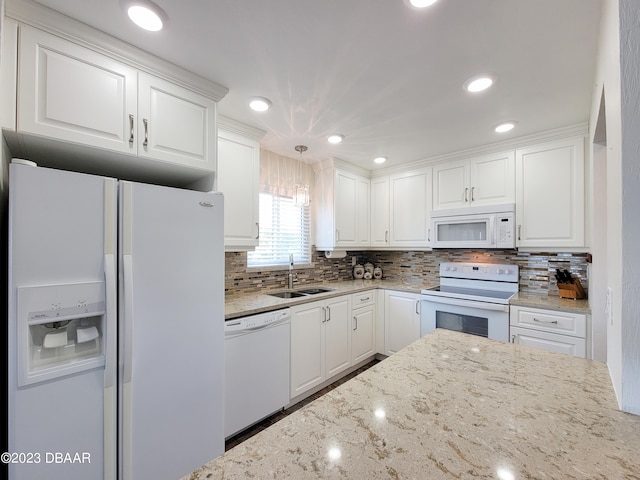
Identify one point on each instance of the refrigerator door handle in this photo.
(126, 330)
(127, 325)
(127, 262)
(110, 415)
(110, 400)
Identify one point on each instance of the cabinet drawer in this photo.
(550, 321)
(361, 299)
(550, 342)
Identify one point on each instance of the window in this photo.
(284, 229)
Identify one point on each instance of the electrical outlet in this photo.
(608, 306)
(353, 261)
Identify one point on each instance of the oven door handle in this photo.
(497, 307)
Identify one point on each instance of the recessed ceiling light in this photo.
(422, 3)
(505, 127)
(146, 14)
(478, 84)
(380, 159)
(335, 138)
(260, 104)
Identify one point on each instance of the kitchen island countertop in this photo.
(451, 406)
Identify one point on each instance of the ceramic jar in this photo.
(368, 267)
(377, 273)
(358, 271)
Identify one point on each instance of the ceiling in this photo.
(385, 75)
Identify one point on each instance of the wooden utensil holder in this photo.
(572, 290)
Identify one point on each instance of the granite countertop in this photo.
(451, 406)
(551, 302)
(239, 305)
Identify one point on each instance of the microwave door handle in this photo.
(492, 230)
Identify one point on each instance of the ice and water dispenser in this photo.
(60, 330)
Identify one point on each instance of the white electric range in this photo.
(471, 298)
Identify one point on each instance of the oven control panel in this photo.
(480, 271)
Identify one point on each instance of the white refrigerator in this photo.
(115, 335)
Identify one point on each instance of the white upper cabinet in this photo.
(86, 101)
(175, 124)
(550, 198)
(71, 93)
(410, 208)
(380, 212)
(483, 180)
(342, 208)
(238, 178)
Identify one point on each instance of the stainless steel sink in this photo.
(314, 291)
(287, 294)
(300, 293)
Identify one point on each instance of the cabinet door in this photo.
(380, 212)
(550, 194)
(175, 124)
(451, 185)
(307, 352)
(363, 211)
(493, 179)
(346, 210)
(402, 320)
(362, 333)
(68, 92)
(238, 176)
(549, 341)
(410, 208)
(337, 338)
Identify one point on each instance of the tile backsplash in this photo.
(411, 267)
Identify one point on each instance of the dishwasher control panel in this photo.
(256, 321)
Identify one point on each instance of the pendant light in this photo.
(301, 190)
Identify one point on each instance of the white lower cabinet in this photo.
(554, 331)
(402, 320)
(320, 342)
(363, 331)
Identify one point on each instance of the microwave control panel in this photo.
(505, 231)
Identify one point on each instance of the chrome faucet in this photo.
(290, 270)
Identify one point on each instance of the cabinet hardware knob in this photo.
(258, 227)
(513, 339)
(519, 231)
(355, 320)
(328, 313)
(466, 194)
(472, 197)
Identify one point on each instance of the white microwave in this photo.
(474, 227)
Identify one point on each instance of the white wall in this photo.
(618, 76)
(630, 86)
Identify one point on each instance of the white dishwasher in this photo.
(257, 363)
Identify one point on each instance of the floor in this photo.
(251, 431)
